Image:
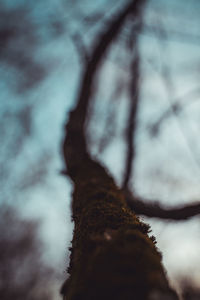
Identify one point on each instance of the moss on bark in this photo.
(112, 256)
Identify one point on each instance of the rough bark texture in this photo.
(112, 256)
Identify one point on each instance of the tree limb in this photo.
(80, 47)
(134, 101)
(175, 108)
(132, 121)
(175, 35)
(74, 146)
(155, 210)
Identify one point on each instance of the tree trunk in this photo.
(112, 256)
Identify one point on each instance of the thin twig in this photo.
(134, 100)
(167, 78)
(174, 35)
(132, 119)
(177, 107)
(80, 47)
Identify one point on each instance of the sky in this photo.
(39, 76)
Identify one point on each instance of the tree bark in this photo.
(112, 256)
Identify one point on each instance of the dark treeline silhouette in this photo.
(23, 275)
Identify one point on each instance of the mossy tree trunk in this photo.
(112, 255)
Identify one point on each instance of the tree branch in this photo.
(132, 121)
(175, 108)
(174, 35)
(80, 47)
(155, 210)
(74, 146)
(170, 90)
(134, 100)
(102, 44)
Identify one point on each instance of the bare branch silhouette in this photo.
(80, 47)
(179, 104)
(170, 90)
(173, 35)
(132, 118)
(78, 116)
(153, 209)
